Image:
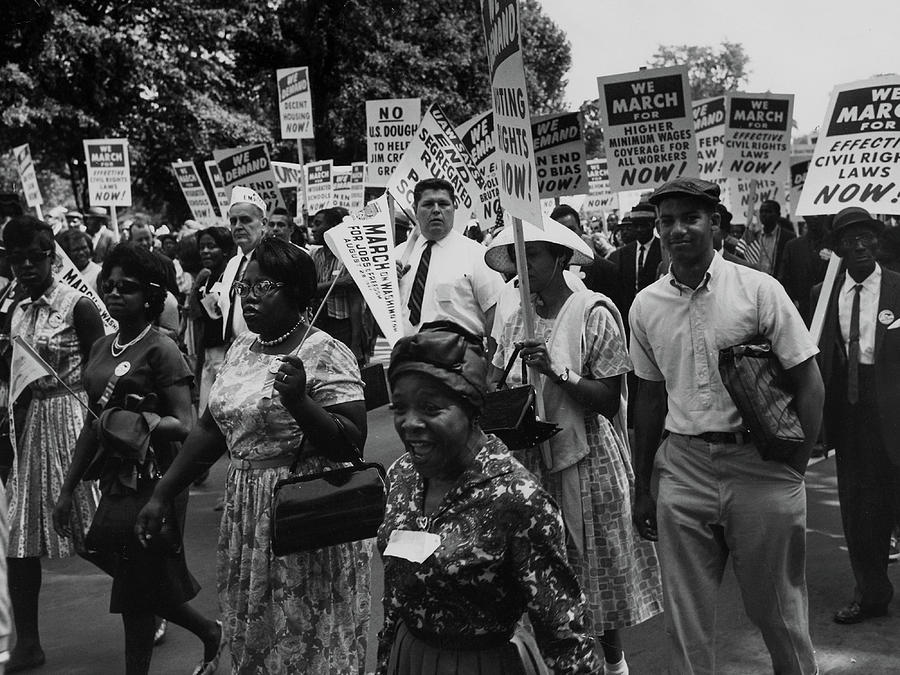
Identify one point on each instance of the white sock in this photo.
(620, 668)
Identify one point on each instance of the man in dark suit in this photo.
(860, 363)
(637, 261)
(802, 266)
(772, 239)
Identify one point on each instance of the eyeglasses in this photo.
(34, 257)
(866, 238)
(260, 287)
(121, 286)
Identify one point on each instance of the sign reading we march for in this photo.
(758, 138)
(857, 157)
(294, 102)
(517, 174)
(649, 127)
(108, 171)
(194, 193)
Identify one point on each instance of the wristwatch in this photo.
(568, 376)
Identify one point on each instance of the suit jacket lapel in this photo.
(887, 299)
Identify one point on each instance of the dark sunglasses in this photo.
(123, 286)
(34, 257)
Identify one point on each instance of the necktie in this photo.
(233, 300)
(640, 264)
(853, 349)
(418, 287)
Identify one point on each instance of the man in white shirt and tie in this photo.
(247, 217)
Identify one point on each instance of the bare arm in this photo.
(176, 425)
(809, 400)
(649, 421)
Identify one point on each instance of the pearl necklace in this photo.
(117, 349)
(279, 340)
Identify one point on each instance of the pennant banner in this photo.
(364, 242)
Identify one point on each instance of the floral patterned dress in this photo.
(53, 422)
(302, 613)
(618, 571)
(501, 554)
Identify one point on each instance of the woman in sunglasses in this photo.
(470, 541)
(579, 352)
(61, 325)
(139, 370)
(280, 385)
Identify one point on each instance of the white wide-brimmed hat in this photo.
(497, 255)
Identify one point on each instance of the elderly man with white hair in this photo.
(247, 217)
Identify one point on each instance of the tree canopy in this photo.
(184, 77)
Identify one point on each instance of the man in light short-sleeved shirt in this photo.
(705, 493)
(459, 286)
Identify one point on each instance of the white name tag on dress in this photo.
(411, 545)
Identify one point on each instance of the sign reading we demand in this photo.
(857, 157)
(649, 127)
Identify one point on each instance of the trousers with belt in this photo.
(868, 490)
(717, 498)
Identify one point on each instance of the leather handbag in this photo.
(330, 507)
(761, 391)
(112, 529)
(511, 413)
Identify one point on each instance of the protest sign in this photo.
(600, 199)
(437, 152)
(319, 185)
(27, 176)
(856, 161)
(218, 186)
(390, 125)
(194, 193)
(709, 128)
(477, 137)
(559, 155)
(289, 175)
(357, 185)
(742, 196)
(364, 242)
(517, 174)
(108, 171)
(649, 127)
(758, 140)
(251, 167)
(799, 169)
(294, 103)
(340, 176)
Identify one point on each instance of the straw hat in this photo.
(498, 256)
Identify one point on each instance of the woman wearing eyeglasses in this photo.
(301, 613)
(141, 371)
(61, 325)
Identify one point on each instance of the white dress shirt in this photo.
(868, 313)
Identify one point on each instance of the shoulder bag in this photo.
(761, 391)
(330, 507)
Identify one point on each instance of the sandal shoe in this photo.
(210, 667)
(856, 613)
(160, 635)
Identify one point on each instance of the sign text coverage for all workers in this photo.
(649, 127)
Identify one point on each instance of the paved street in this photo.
(80, 636)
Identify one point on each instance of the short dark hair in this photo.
(563, 210)
(281, 211)
(136, 261)
(432, 184)
(771, 202)
(20, 231)
(332, 216)
(290, 265)
(222, 237)
(70, 238)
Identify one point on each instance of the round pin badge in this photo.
(886, 317)
(275, 366)
(55, 320)
(122, 368)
